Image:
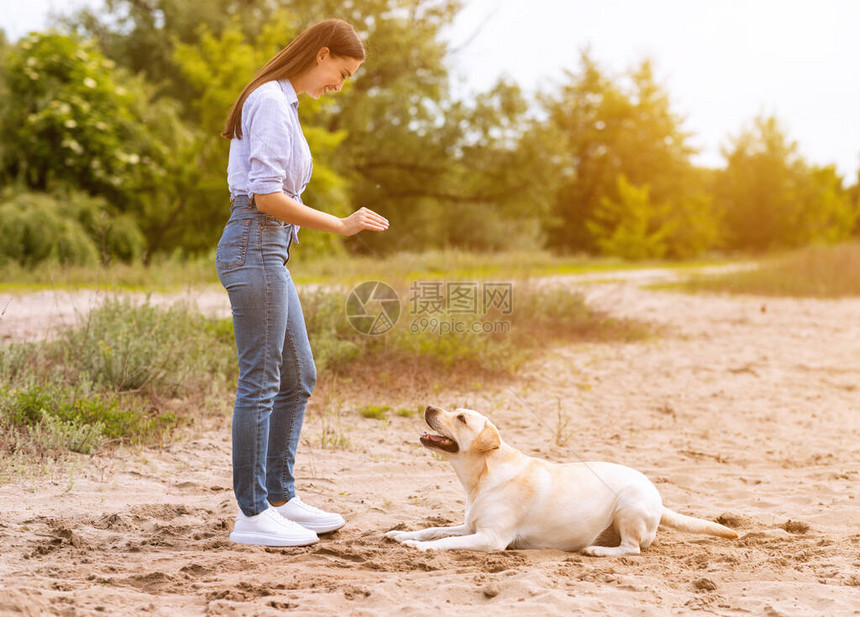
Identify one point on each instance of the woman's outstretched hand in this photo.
(361, 219)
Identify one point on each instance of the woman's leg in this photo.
(297, 380)
(257, 297)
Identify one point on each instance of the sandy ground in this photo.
(746, 411)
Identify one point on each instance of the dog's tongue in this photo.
(439, 441)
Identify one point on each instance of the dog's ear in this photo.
(488, 439)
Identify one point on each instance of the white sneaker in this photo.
(309, 517)
(268, 528)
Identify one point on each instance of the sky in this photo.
(723, 62)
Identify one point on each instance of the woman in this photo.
(269, 167)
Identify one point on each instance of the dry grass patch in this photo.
(814, 272)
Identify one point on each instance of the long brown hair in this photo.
(296, 58)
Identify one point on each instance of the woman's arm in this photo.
(289, 210)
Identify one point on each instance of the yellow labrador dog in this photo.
(517, 501)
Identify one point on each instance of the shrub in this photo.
(71, 230)
(631, 227)
(117, 236)
(73, 393)
(129, 347)
(34, 230)
(16, 360)
(63, 417)
(498, 342)
(335, 344)
(72, 119)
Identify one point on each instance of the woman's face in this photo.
(329, 73)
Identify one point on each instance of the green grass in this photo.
(169, 274)
(452, 265)
(813, 272)
(118, 377)
(375, 412)
(163, 274)
(407, 412)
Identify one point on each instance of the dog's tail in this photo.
(691, 524)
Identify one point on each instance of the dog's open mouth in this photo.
(439, 441)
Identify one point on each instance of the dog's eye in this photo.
(462, 418)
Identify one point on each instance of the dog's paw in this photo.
(610, 551)
(421, 546)
(396, 535)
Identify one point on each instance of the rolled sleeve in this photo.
(270, 137)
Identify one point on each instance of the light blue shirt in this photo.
(273, 154)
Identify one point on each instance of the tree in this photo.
(375, 133)
(826, 213)
(631, 227)
(74, 122)
(141, 35)
(696, 226)
(442, 171)
(613, 127)
(475, 177)
(771, 198)
(4, 96)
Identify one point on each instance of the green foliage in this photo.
(117, 236)
(392, 140)
(80, 408)
(854, 201)
(827, 214)
(128, 347)
(71, 120)
(494, 341)
(53, 433)
(44, 433)
(695, 226)
(74, 229)
(35, 230)
(74, 122)
(375, 412)
(334, 342)
(16, 361)
(132, 115)
(614, 126)
(454, 174)
(56, 122)
(553, 314)
(107, 380)
(140, 36)
(632, 227)
(394, 152)
(771, 198)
